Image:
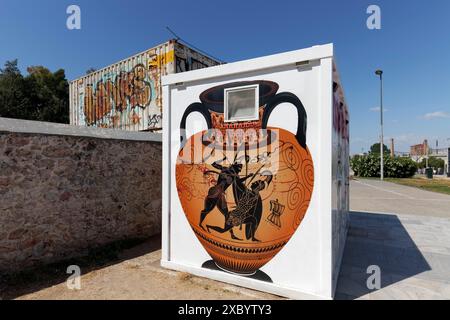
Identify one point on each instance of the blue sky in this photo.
(413, 47)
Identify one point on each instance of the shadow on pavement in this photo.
(381, 240)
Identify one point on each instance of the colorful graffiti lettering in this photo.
(128, 89)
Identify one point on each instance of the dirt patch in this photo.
(130, 273)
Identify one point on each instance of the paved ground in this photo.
(376, 196)
(405, 231)
(413, 254)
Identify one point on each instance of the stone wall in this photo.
(66, 189)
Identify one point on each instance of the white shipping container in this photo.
(256, 173)
(127, 94)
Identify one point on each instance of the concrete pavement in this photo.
(375, 196)
(406, 233)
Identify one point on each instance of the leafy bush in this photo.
(369, 166)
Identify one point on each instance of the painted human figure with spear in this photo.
(249, 204)
(216, 194)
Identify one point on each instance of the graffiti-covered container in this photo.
(255, 173)
(127, 95)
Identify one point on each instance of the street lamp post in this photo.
(448, 158)
(380, 74)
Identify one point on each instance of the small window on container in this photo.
(241, 103)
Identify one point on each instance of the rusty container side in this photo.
(187, 59)
(125, 95)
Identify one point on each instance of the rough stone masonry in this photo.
(61, 194)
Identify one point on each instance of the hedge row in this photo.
(369, 166)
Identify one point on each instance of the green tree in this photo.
(14, 102)
(375, 149)
(49, 93)
(41, 95)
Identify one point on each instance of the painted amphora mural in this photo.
(243, 186)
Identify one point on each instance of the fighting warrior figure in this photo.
(249, 207)
(216, 194)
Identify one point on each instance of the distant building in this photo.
(419, 150)
(392, 148)
(423, 150)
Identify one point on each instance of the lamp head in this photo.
(379, 72)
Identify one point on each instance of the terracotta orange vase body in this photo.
(244, 187)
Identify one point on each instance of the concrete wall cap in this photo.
(38, 127)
